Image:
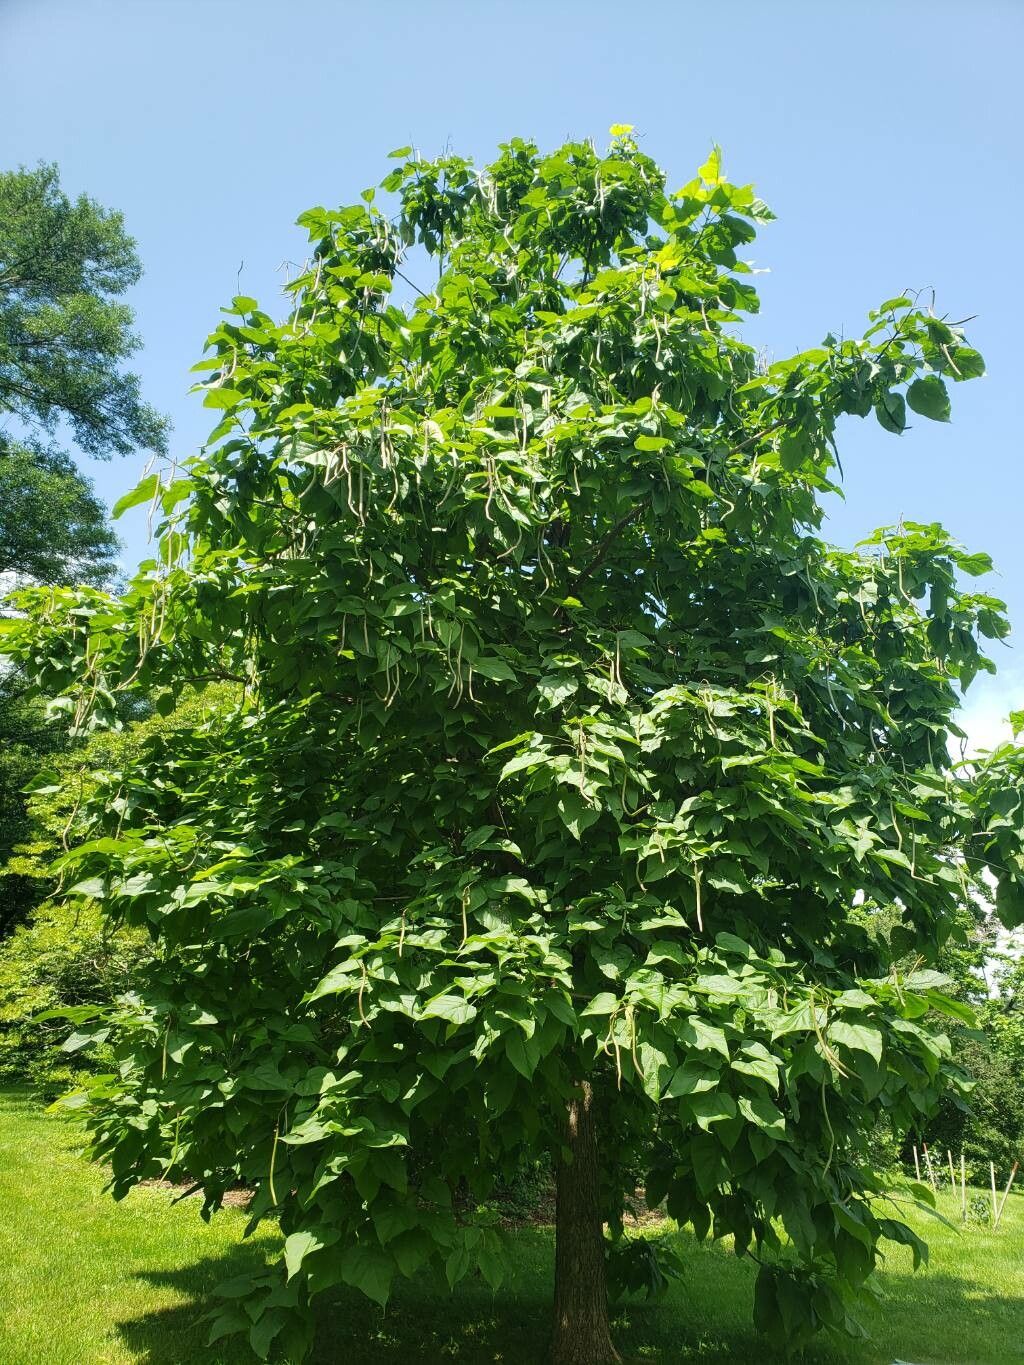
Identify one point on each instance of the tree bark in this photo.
(581, 1335)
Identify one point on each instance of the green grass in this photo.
(84, 1280)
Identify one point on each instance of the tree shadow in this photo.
(422, 1322)
(170, 1336)
(705, 1320)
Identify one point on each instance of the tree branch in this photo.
(606, 543)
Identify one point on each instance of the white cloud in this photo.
(987, 706)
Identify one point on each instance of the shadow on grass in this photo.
(425, 1323)
(933, 1318)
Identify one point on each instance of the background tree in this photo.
(986, 1124)
(63, 337)
(64, 334)
(53, 529)
(988, 972)
(570, 761)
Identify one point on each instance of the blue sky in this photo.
(885, 136)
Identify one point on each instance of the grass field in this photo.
(84, 1280)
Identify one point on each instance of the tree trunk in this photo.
(581, 1335)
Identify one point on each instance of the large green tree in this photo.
(571, 760)
(64, 335)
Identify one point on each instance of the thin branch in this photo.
(606, 543)
(411, 284)
(759, 435)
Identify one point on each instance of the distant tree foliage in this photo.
(986, 1124)
(66, 953)
(28, 739)
(64, 337)
(64, 334)
(53, 529)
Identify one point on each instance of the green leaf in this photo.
(93, 887)
(263, 1331)
(701, 1036)
(369, 1271)
(922, 1192)
(690, 1079)
(864, 1037)
(531, 758)
(522, 1052)
(712, 1106)
(76, 1041)
(456, 1009)
(45, 783)
(927, 980)
(298, 1245)
(755, 1060)
(728, 987)
(928, 396)
(758, 1109)
(496, 669)
(899, 1232)
(142, 492)
(953, 1009)
(968, 363)
(222, 397)
(708, 1167)
(492, 1262)
(711, 171)
(603, 1003)
(555, 689)
(1010, 902)
(891, 411)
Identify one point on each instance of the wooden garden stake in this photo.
(952, 1173)
(963, 1189)
(992, 1172)
(917, 1164)
(1002, 1202)
(928, 1163)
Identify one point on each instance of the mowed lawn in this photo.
(84, 1280)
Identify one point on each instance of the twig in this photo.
(411, 284)
(192, 1189)
(760, 435)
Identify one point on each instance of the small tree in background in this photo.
(568, 750)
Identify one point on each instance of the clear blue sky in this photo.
(887, 137)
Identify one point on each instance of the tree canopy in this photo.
(570, 764)
(53, 529)
(63, 332)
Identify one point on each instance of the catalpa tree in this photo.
(571, 772)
